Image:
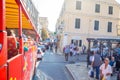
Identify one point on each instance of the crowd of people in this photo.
(72, 50)
(52, 46)
(103, 68)
(104, 62)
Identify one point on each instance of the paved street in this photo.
(53, 67)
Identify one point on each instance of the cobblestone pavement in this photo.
(79, 71)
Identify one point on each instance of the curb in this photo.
(70, 73)
(75, 71)
(41, 76)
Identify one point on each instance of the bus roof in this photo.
(12, 16)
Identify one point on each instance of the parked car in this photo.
(40, 54)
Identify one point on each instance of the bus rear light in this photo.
(0, 46)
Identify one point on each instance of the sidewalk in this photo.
(79, 71)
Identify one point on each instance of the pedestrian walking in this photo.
(55, 45)
(67, 51)
(112, 64)
(88, 58)
(105, 70)
(96, 62)
(71, 48)
(64, 49)
(77, 53)
(51, 46)
(71, 51)
(83, 49)
(91, 55)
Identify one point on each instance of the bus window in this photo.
(11, 44)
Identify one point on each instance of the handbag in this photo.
(103, 78)
(91, 72)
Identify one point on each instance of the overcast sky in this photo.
(50, 9)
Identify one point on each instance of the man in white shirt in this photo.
(105, 70)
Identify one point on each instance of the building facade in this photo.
(44, 23)
(82, 19)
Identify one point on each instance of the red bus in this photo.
(15, 63)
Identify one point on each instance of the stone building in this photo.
(82, 19)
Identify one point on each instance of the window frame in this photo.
(97, 8)
(110, 10)
(78, 5)
(96, 25)
(77, 23)
(109, 28)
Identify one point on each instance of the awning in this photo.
(12, 16)
(113, 40)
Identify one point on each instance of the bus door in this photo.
(3, 43)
